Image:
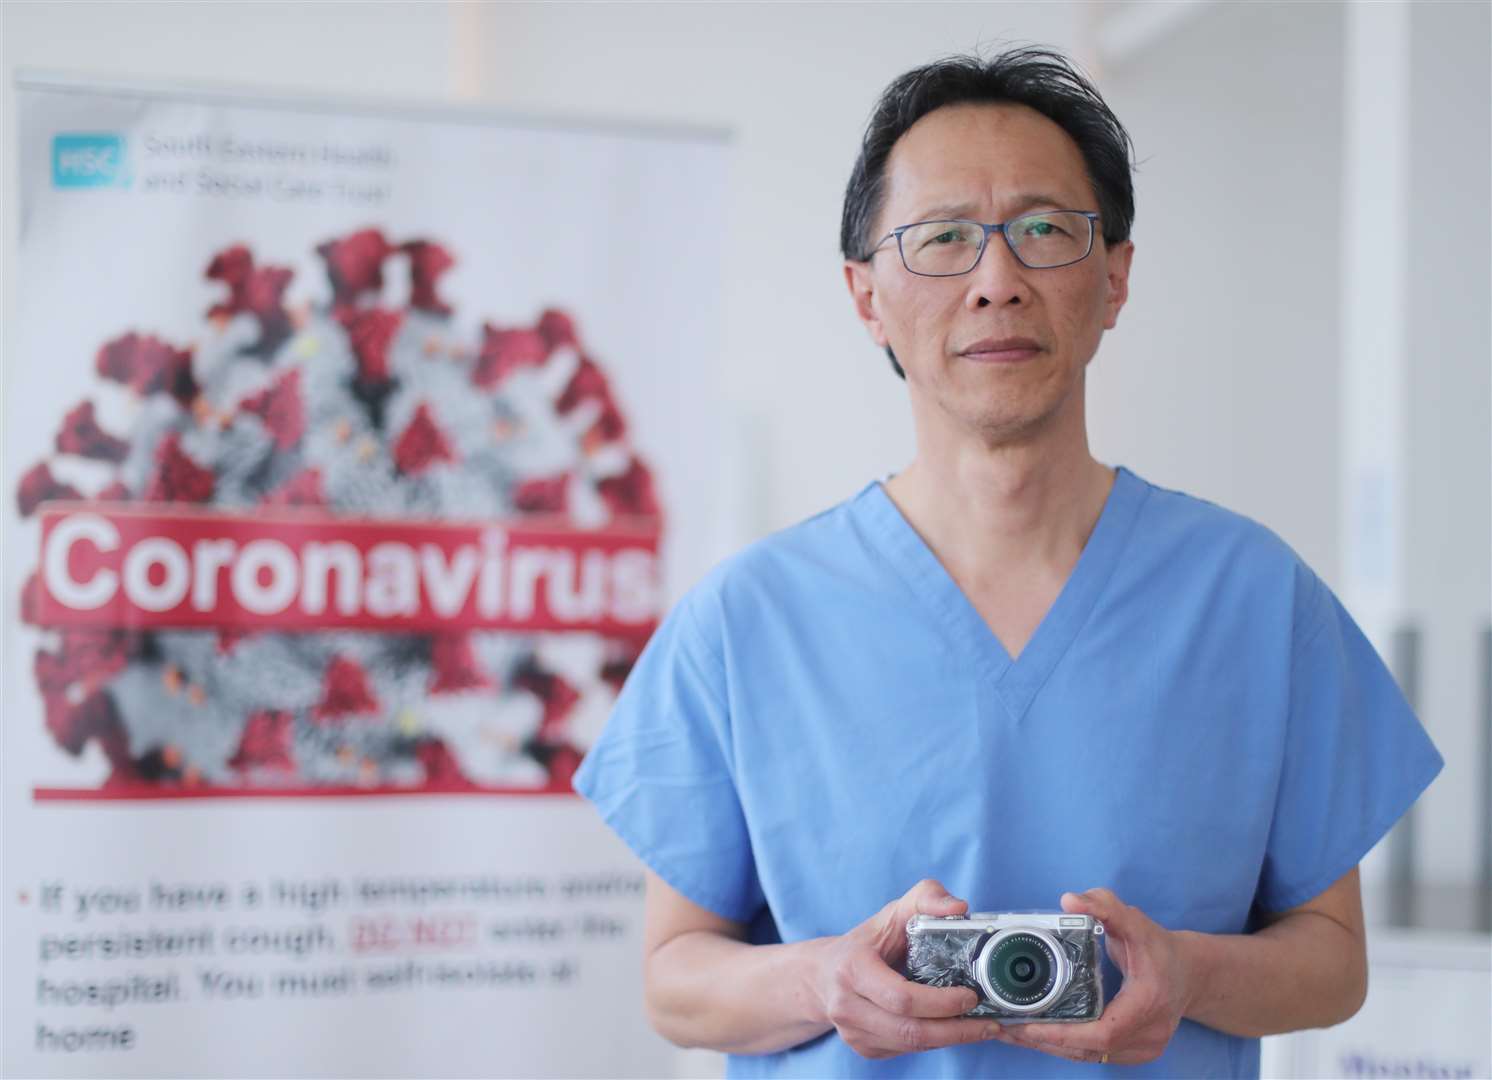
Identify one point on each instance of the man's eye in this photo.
(947, 236)
(1044, 228)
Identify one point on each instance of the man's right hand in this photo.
(878, 1012)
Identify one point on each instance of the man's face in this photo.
(989, 162)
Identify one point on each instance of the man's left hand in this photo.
(1138, 1024)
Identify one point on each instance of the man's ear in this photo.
(861, 282)
(1118, 260)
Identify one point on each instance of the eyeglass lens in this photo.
(1039, 240)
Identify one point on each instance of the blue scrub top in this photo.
(825, 720)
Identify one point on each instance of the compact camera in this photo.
(1027, 967)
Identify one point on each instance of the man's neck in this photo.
(992, 512)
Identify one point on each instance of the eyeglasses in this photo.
(1041, 241)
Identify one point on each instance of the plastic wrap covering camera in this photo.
(1027, 967)
(336, 408)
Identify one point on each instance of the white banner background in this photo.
(528, 963)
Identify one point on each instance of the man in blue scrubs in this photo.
(1009, 676)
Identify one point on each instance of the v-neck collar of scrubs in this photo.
(1016, 682)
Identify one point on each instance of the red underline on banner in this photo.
(58, 794)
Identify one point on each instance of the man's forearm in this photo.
(1306, 970)
(707, 990)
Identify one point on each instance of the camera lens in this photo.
(1022, 970)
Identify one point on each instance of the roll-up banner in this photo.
(352, 453)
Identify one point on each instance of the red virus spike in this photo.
(354, 265)
(564, 761)
(421, 444)
(31, 601)
(590, 384)
(558, 696)
(95, 717)
(264, 298)
(345, 691)
(587, 384)
(609, 426)
(257, 290)
(59, 717)
(117, 491)
(504, 352)
(454, 667)
(427, 262)
(371, 331)
(440, 765)
(557, 707)
(281, 408)
(177, 477)
(81, 435)
(93, 656)
(265, 743)
(232, 266)
(557, 328)
(53, 675)
(545, 495)
(39, 486)
(265, 290)
(631, 493)
(302, 489)
(147, 365)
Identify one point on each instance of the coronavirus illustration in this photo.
(268, 593)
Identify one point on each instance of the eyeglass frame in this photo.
(997, 227)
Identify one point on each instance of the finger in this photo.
(1092, 1057)
(929, 897)
(900, 996)
(906, 1034)
(889, 927)
(936, 1033)
(863, 1042)
(1127, 928)
(1102, 904)
(1126, 1012)
(1123, 1019)
(1112, 1032)
(1060, 1044)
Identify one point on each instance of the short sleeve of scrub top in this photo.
(1355, 757)
(825, 720)
(662, 778)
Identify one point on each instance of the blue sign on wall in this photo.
(85, 161)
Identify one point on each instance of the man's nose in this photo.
(999, 279)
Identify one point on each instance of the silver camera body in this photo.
(1027, 966)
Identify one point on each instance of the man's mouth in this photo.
(1001, 350)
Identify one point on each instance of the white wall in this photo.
(1221, 378)
(1448, 514)
(399, 50)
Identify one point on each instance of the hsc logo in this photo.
(84, 161)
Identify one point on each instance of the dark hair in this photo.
(1038, 78)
